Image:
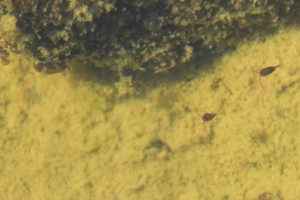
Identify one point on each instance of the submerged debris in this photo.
(50, 67)
(6, 47)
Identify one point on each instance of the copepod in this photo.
(205, 118)
(265, 72)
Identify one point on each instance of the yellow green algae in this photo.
(64, 139)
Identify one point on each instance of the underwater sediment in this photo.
(152, 35)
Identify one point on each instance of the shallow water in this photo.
(67, 139)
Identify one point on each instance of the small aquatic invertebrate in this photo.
(205, 118)
(3, 53)
(265, 72)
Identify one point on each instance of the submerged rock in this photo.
(145, 35)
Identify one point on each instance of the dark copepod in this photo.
(208, 116)
(205, 118)
(265, 72)
(268, 70)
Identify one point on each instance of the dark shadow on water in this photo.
(143, 81)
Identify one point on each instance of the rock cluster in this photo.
(146, 35)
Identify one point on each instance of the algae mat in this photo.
(66, 140)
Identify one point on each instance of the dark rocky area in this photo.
(140, 35)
